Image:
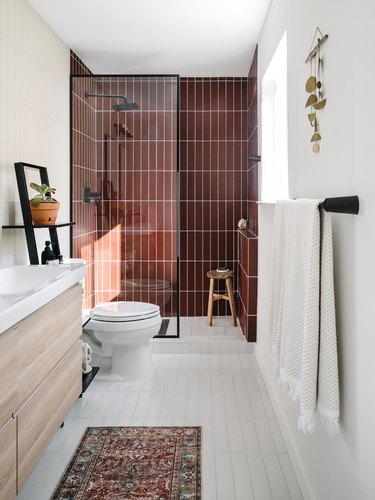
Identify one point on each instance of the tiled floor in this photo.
(243, 452)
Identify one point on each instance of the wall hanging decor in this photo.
(316, 100)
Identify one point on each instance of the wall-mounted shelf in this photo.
(39, 226)
(28, 225)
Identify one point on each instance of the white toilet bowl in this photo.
(122, 332)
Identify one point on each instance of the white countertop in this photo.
(25, 289)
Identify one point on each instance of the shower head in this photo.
(124, 106)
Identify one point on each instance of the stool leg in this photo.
(232, 304)
(210, 301)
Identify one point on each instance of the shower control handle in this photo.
(88, 195)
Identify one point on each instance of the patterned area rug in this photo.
(143, 463)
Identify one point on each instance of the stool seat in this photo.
(217, 275)
(227, 276)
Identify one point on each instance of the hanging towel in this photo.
(303, 338)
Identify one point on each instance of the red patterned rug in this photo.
(126, 463)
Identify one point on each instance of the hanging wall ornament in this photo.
(314, 87)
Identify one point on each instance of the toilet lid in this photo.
(124, 311)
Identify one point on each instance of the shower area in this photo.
(125, 162)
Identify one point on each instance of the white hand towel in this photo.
(303, 336)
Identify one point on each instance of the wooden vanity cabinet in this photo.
(40, 380)
(8, 461)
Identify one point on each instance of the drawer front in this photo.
(8, 461)
(8, 376)
(40, 418)
(45, 338)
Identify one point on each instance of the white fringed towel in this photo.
(303, 311)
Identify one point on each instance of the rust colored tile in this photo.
(243, 250)
(183, 156)
(184, 311)
(251, 329)
(222, 126)
(253, 257)
(209, 126)
(191, 155)
(191, 120)
(243, 288)
(214, 94)
(222, 156)
(184, 124)
(198, 122)
(191, 97)
(183, 94)
(206, 94)
(198, 95)
(253, 184)
(242, 318)
(198, 156)
(238, 95)
(206, 218)
(230, 118)
(252, 299)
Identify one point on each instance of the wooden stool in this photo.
(227, 276)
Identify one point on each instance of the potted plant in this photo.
(43, 207)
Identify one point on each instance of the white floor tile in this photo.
(241, 476)
(208, 476)
(244, 456)
(224, 477)
(259, 480)
(290, 478)
(264, 436)
(276, 477)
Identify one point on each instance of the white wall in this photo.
(341, 467)
(34, 117)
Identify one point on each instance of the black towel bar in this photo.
(341, 205)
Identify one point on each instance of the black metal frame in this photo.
(26, 213)
(178, 168)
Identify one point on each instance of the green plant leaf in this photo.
(36, 200)
(37, 187)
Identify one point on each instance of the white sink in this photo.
(24, 289)
(19, 280)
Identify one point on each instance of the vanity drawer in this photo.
(8, 461)
(44, 339)
(8, 377)
(41, 416)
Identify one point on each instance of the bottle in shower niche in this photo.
(47, 253)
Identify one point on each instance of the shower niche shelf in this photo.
(28, 225)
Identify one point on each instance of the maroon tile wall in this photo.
(248, 240)
(213, 155)
(136, 246)
(84, 173)
(129, 238)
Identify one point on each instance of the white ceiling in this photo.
(191, 38)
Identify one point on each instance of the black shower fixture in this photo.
(123, 106)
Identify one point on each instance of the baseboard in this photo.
(304, 484)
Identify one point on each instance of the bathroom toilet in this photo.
(119, 334)
(151, 290)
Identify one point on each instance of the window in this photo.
(274, 180)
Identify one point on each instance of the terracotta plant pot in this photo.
(44, 213)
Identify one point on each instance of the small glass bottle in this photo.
(47, 253)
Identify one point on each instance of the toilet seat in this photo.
(124, 311)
